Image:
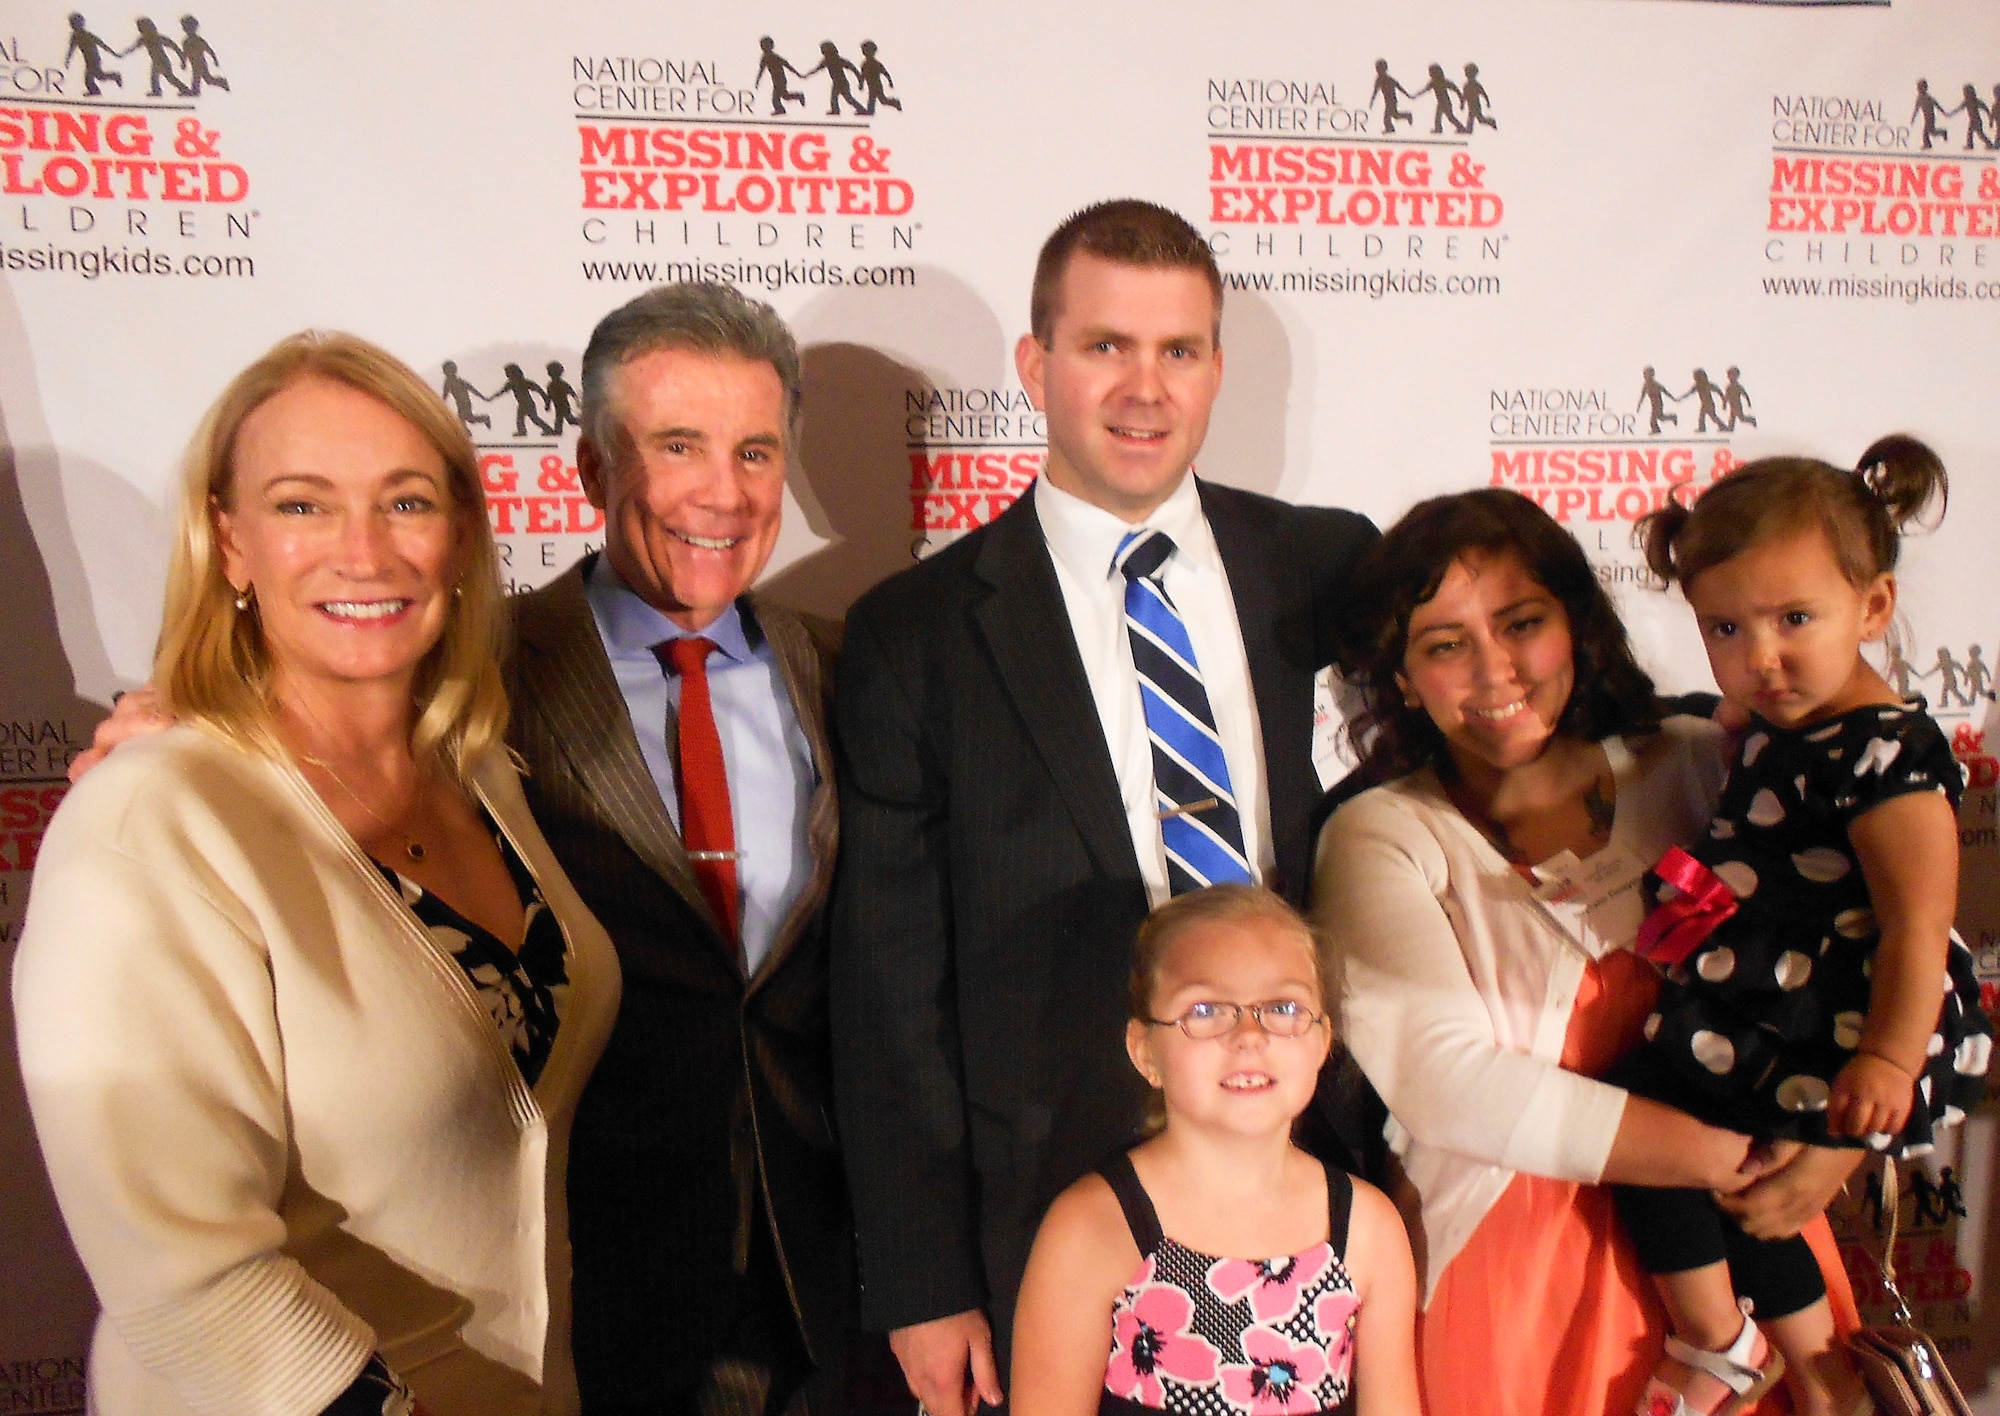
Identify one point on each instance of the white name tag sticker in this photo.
(1596, 901)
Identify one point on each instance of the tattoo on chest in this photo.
(1600, 810)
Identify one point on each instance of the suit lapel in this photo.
(1027, 630)
(565, 674)
(1266, 585)
(804, 672)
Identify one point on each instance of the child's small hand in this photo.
(1871, 1094)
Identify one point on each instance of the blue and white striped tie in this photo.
(1198, 821)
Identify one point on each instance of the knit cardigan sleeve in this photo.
(155, 1072)
(1417, 967)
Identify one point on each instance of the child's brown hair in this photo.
(1862, 512)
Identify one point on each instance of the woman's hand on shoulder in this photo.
(1385, 1280)
(1083, 1257)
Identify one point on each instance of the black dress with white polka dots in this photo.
(1754, 1025)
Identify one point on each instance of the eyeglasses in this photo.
(1207, 1020)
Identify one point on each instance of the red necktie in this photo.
(707, 829)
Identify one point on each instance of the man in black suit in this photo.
(708, 1212)
(1001, 833)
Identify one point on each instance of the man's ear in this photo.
(1029, 359)
(591, 467)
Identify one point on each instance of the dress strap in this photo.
(1140, 1216)
(1339, 1207)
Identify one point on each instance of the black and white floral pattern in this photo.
(523, 992)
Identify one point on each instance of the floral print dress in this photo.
(1199, 1335)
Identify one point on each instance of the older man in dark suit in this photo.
(1008, 812)
(674, 730)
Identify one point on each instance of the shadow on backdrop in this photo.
(1246, 433)
(851, 477)
(866, 355)
(46, 1315)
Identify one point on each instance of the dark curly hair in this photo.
(1612, 693)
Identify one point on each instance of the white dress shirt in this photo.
(764, 749)
(1083, 540)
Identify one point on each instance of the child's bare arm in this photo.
(1908, 847)
(1082, 1258)
(1378, 1256)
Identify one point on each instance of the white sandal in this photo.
(1747, 1368)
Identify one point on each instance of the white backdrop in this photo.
(1471, 298)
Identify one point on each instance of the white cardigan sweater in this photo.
(1456, 986)
(282, 1128)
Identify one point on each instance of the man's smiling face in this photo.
(1128, 379)
(693, 484)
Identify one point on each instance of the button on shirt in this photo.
(764, 750)
(1083, 541)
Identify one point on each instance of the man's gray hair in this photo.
(704, 316)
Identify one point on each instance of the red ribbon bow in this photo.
(1676, 928)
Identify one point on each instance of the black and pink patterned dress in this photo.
(1199, 1335)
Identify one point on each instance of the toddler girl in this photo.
(1152, 1285)
(1815, 992)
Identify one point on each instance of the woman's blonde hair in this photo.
(211, 665)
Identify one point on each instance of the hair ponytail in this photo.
(1655, 535)
(1863, 513)
(1905, 476)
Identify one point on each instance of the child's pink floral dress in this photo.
(1204, 1336)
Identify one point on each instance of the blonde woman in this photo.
(304, 1001)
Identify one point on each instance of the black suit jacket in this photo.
(711, 1108)
(988, 892)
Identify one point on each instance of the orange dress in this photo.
(1546, 1312)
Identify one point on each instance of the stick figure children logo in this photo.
(1720, 407)
(1961, 683)
(556, 398)
(1982, 126)
(1461, 104)
(186, 66)
(871, 75)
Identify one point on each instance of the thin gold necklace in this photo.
(412, 847)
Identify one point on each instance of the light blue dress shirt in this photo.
(764, 749)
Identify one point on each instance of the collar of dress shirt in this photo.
(1084, 538)
(631, 627)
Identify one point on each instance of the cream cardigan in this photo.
(1456, 986)
(282, 1128)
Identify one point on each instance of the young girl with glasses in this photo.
(1216, 1267)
